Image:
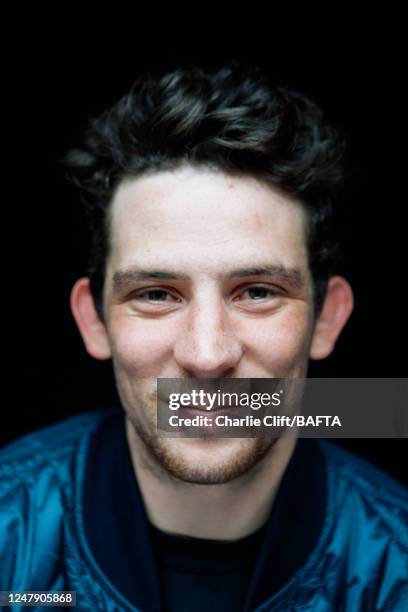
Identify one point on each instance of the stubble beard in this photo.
(166, 456)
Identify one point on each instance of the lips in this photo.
(207, 408)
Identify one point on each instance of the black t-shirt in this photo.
(200, 574)
(160, 571)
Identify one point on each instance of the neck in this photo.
(223, 511)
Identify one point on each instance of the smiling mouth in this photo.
(207, 408)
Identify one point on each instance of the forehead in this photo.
(206, 220)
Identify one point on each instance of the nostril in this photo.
(209, 373)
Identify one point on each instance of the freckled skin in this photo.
(205, 224)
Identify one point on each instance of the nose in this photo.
(207, 346)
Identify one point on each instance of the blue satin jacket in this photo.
(360, 561)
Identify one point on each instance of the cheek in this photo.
(282, 341)
(140, 347)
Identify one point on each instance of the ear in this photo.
(337, 307)
(90, 326)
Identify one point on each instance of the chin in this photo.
(208, 461)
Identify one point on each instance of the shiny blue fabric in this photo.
(359, 563)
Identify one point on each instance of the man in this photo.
(210, 196)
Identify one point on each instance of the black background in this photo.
(55, 81)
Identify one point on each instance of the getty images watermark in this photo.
(282, 407)
(218, 401)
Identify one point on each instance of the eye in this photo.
(257, 293)
(259, 297)
(154, 299)
(155, 295)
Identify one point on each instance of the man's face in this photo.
(207, 278)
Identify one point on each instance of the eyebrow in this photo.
(290, 276)
(123, 278)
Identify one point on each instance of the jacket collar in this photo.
(117, 530)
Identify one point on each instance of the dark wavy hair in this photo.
(235, 118)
